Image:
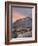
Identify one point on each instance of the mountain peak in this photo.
(25, 22)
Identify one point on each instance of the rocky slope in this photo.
(22, 28)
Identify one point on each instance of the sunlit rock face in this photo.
(22, 28)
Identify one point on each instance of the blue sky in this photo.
(24, 11)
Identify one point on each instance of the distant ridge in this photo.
(25, 22)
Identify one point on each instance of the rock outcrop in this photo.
(22, 28)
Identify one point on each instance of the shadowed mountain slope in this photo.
(23, 27)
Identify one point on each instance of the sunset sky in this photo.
(19, 13)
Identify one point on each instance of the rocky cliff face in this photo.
(22, 28)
